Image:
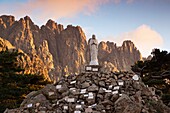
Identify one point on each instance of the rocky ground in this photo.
(96, 92)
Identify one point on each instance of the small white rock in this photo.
(115, 92)
(78, 106)
(108, 91)
(72, 82)
(88, 68)
(65, 107)
(58, 86)
(135, 77)
(77, 111)
(71, 100)
(29, 105)
(50, 93)
(82, 102)
(83, 91)
(120, 83)
(110, 87)
(116, 88)
(86, 95)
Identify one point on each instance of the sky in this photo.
(144, 22)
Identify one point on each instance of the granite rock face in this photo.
(94, 93)
(21, 35)
(4, 45)
(72, 48)
(121, 56)
(63, 51)
(30, 65)
(108, 66)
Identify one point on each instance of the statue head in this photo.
(93, 36)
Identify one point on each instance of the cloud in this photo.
(54, 9)
(42, 10)
(144, 38)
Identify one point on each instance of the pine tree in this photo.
(155, 72)
(14, 86)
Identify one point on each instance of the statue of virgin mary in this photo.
(93, 43)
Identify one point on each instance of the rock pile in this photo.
(94, 93)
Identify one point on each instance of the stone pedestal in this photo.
(92, 68)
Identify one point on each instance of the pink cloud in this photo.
(41, 10)
(54, 9)
(144, 37)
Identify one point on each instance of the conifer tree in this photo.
(156, 72)
(14, 85)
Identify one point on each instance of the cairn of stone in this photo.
(100, 92)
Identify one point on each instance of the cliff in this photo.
(62, 51)
(122, 57)
(30, 65)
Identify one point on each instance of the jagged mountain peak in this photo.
(128, 43)
(109, 42)
(7, 20)
(118, 55)
(67, 48)
(75, 32)
(73, 27)
(51, 24)
(27, 18)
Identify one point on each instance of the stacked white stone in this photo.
(90, 95)
(58, 86)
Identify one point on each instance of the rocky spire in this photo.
(68, 46)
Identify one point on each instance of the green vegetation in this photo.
(14, 86)
(156, 72)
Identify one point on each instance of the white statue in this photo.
(93, 43)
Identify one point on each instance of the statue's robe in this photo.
(93, 51)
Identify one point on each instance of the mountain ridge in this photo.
(63, 46)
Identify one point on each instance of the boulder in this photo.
(125, 105)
